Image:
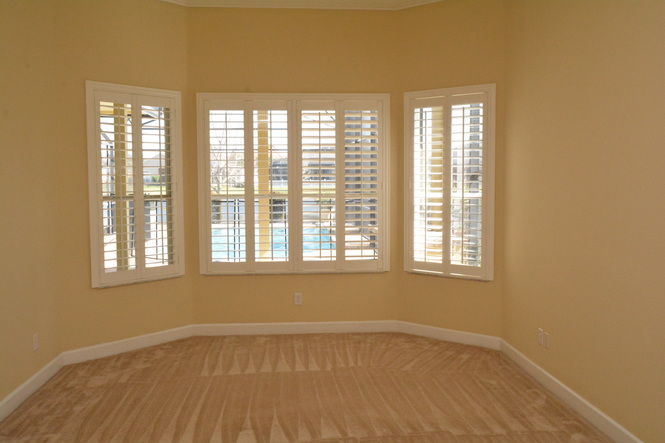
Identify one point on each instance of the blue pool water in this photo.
(314, 239)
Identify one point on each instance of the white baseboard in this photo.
(21, 393)
(599, 419)
(594, 415)
(465, 338)
(295, 328)
(126, 345)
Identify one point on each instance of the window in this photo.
(293, 183)
(449, 144)
(134, 175)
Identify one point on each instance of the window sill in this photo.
(449, 275)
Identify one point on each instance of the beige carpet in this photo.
(377, 387)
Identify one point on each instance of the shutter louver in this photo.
(428, 173)
(361, 184)
(117, 175)
(227, 185)
(311, 165)
(450, 213)
(135, 212)
(271, 186)
(157, 185)
(466, 133)
(319, 179)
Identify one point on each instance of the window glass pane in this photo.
(157, 185)
(466, 133)
(318, 185)
(117, 170)
(428, 171)
(228, 230)
(331, 166)
(227, 185)
(361, 184)
(133, 149)
(271, 185)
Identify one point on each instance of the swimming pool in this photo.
(229, 244)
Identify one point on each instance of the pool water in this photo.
(230, 243)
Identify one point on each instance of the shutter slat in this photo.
(227, 186)
(466, 199)
(318, 185)
(428, 184)
(271, 182)
(361, 208)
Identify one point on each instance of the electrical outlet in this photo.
(35, 341)
(546, 340)
(540, 336)
(297, 299)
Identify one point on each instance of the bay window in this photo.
(449, 146)
(293, 183)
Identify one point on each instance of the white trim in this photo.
(583, 407)
(295, 104)
(203, 174)
(381, 5)
(126, 345)
(451, 335)
(598, 418)
(21, 393)
(447, 98)
(136, 96)
(335, 327)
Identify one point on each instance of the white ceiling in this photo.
(386, 5)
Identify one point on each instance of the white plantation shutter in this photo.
(226, 164)
(466, 179)
(318, 148)
(270, 159)
(158, 184)
(135, 209)
(117, 185)
(450, 155)
(427, 185)
(362, 181)
(313, 168)
(247, 186)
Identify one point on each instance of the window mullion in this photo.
(409, 249)
(249, 187)
(340, 214)
(295, 186)
(447, 196)
(121, 182)
(137, 175)
(170, 186)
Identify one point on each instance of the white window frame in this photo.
(294, 103)
(447, 98)
(97, 92)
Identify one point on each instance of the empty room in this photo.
(456, 231)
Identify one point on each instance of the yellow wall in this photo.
(48, 50)
(579, 198)
(27, 240)
(585, 243)
(454, 43)
(250, 50)
(350, 51)
(128, 42)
